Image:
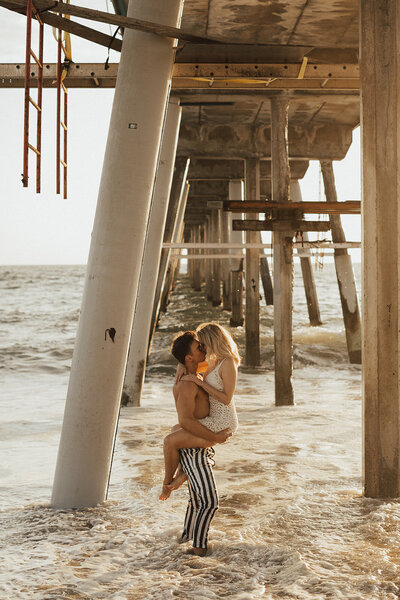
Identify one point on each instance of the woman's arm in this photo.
(185, 406)
(228, 374)
(180, 371)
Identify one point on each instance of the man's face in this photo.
(197, 352)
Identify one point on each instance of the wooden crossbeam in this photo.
(350, 207)
(243, 76)
(86, 33)
(105, 17)
(289, 225)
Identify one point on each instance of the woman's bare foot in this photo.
(177, 481)
(166, 491)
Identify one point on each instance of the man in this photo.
(191, 403)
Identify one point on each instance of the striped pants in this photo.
(203, 498)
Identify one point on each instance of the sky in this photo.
(46, 229)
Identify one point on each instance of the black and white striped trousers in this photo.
(203, 498)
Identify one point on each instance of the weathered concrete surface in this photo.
(312, 22)
(241, 140)
(213, 170)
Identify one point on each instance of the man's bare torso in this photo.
(202, 407)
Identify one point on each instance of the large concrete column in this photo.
(177, 237)
(306, 266)
(252, 315)
(112, 275)
(380, 102)
(136, 364)
(283, 255)
(344, 272)
(175, 198)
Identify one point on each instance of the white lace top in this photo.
(221, 415)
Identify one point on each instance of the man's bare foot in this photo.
(178, 481)
(166, 491)
(197, 551)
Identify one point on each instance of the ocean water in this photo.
(292, 521)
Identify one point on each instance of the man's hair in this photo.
(180, 346)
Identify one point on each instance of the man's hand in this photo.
(222, 436)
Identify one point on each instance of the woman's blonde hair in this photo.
(218, 342)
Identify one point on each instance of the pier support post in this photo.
(344, 272)
(236, 264)
(283, 255)
(177, 238)
(136, 365)
(266, 278)
(175, 198)
(380, 109)
(197, 261)
(252, 317)
(225, 266)
(237, 319)
(216, 263)
(130, 162)
(208, 261)
(189, 238)
(306, 267)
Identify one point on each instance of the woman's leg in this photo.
(172, 444)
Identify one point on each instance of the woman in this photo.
(219, 382)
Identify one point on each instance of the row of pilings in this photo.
(118, 244)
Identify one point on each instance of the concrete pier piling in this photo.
(175, 199)
(137, 356)
(130, 162)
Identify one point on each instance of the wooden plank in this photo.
(83, 70)
(112, 19)
(262, 53)
(87, 33)
(293, 225)
(255, 206)
(279, 83)
(266, 70)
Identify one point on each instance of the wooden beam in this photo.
(87, 33)
(293, 225)
(265, 71)
(256, 206)
(81, 75)
(105, 17)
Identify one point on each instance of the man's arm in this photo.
(185, 407)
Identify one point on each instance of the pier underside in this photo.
(263, 88)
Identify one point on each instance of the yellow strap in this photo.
(67, 45)
(303, 68)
